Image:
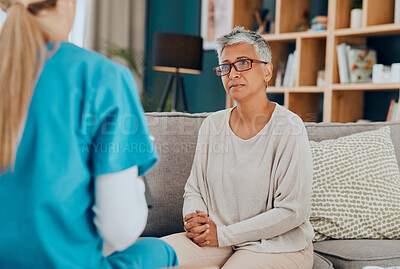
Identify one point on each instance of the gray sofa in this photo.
(175, 137)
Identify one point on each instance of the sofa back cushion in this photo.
(175, 139)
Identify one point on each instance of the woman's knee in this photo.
(154, 252)
(156, 247)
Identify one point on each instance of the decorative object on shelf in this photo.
(319, 23)
(355, 63)
(360, 63)
(397, 12)
(272, 27)
(386, 74)
(363, 121)
(301, 27)
(321, 78)
(177, 53)
(261, 23)
(356, 14)
(216, 20)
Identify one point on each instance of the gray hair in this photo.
(240, 35)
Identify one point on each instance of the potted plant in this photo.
(135, 62)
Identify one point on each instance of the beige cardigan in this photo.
(257, 191)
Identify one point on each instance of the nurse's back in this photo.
(46, 201)
(68, 176)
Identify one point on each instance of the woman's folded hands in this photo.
(200, 229)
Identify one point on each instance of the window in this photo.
(77, 33)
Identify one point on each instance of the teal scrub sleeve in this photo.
(122, 138)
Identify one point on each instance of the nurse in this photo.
(69, 173)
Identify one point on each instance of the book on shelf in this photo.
(355, 63)
(280, 73)
(287, 70)
(393, 111)
(293, 71)
(319, 23)
(342, 63)
(396, 112)
(390, 111)
(289, 78)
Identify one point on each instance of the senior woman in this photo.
(248, 206)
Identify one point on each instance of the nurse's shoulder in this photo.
(75, 58)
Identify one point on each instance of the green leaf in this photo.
(134, 58)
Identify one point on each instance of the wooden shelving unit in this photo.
(341, 102)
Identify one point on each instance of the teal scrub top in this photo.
(85, 119)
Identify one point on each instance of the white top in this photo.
(257, 191)
(121, 208)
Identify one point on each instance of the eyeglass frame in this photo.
(233, 64)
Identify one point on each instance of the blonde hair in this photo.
(22, 50)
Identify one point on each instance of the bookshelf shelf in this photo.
(376, 30)
(365, 86)
(299, 89)
(310, 89)
(294, 36)
(318, 50)
(278, 89)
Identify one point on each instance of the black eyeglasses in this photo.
(240, 66)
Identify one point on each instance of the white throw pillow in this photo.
(356, 188)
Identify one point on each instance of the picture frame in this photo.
(216, 20)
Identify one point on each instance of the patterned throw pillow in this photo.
(356, 188)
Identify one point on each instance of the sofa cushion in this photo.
(175, 140)
(352, 254)
(356, 187)
(325, 130)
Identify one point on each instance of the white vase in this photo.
(356, 18)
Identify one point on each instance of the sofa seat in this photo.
(320, 262)
(351, 254)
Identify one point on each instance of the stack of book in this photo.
(355, 63)
(393, 112)
(319, 23)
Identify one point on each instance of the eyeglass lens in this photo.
(224, 69)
